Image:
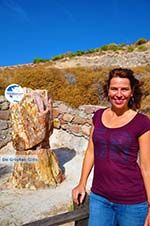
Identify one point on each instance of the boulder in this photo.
(35, 169)
(35, 164)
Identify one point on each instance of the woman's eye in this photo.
(125, 89)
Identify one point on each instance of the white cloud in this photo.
(16, 8)
(66, 10)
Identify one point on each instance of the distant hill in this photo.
(111, 55)
(134, 55)
(77, 78)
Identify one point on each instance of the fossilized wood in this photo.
(31, 120)
(40, 174)
(31, 128)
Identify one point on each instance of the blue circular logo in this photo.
(14, 93)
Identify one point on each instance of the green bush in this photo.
(79, 53)
(58, 57)
(130, 49)
(142, 48)
(122, 45)
(92, 50)
(113, 47)
(141, 41)
(39, 60)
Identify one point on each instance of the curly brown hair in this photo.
(135, 100)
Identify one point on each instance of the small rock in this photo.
(3, 124)
(68, 117)
(75, 129)
(56, 123)
(79, 120)
(88, 109)
(4, 106)
(55, 113)
(2, 99)
(62, 108)
(65, 126)
(86, 130)
(4, 115)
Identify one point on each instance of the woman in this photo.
(120, 192)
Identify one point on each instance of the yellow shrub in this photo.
(75, 86)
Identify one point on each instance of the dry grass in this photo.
(75, 86)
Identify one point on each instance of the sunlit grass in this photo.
(75, 86)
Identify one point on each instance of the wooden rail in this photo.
(79, 215)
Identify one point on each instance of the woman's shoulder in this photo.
(97, 115)
(99, 111)
(142, 123)
(143, 117)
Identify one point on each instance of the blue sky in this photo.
(32, 29)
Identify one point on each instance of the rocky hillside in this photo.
(77, 78)
(109, 58)
(112, 55)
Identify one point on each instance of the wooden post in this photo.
(83, 207)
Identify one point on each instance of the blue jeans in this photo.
(106, 213)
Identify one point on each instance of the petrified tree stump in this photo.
(35, 165)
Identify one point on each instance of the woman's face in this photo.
(120, 92)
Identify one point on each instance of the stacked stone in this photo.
(5, 130)
(74, 121)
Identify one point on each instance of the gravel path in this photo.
(22, 206)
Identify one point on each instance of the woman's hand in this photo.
(147, 221)
(78, 194)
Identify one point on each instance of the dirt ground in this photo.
(23, 206)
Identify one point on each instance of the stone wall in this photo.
(71, 126)
(5, 128)
(74, 121)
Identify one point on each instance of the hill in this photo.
(78, 78)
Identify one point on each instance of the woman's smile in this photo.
(119, 101)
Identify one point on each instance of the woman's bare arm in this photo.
(80, 189)
(144, 142)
